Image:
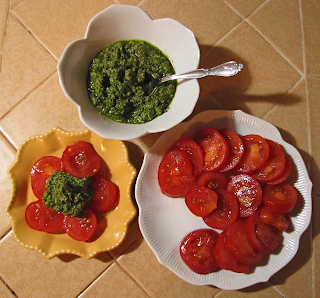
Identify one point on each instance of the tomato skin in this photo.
(105, 194)
(236, 148)
(201, 200)
(41, 171)
(175, 174)
(279, 220)
(81, 228)
(214, 147)
(213, 180)
(262, 237)
(41, 218)
(248, 191)
(224, 258)
(284, 175)
(197, 250)
(195, 152)
(239, 245)
(227, 211)
(256, 152)
(81, 160)
(274, 165)
(280, 198)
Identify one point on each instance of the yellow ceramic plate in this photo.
(112, 226)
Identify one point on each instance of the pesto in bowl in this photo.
(118, 82)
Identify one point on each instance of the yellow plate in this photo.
(112, 226)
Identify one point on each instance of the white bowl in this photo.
(125, 22)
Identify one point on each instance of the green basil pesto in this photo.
(67, 194)
(118, 82)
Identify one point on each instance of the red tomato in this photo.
(279, 220)
(41, 218)
(175, 174)
(280, 198)
(274, 165)
(41, 171)
(238, 244)
(201, 200)
(256, 152)
(214, 147)
(284, 175)
(261, 236)
(236, 148)
(213, 180)
(81, 160)
(227, 210)
(224, 258)
(80, 228)
(195, 152)
(197, 250)
(105, 194)
(248, 191)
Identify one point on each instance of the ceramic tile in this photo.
(5, 291)
(290, 116)
(56, 24)
(25, 64)
(244, 7)
(264, 290)
(46, 107)
(311, 35)
(264, 79)
(64, 276)
(4, 11)
(114, 282)
(7, 154)
(208, 21)
(162, 282)
(279, 23)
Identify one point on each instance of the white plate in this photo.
(165, 221)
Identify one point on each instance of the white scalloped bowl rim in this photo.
(125, 22)
(165, 221)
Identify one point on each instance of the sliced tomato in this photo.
(197, 250)
(279, 220)
(201, 200)
(225, 259)
(236, 148)
(214, 147)
(195, 152)
(227, 210)
(81, 159)
(248, 191)
(175, 174)
(284, 175)
(81, 228)
(238, 244)
(41, 171)
(261, 236)
(213, 180)
(105, 194)
(274, 165)
(256, 152)
(280, 198)
(41, 218)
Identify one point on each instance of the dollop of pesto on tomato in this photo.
(67, 194)
(118, 82)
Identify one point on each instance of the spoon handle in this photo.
(226, 69)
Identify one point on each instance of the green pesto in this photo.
(118, 82)
(67, 194)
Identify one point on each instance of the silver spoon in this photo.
(226, 69)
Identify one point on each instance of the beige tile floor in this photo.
(278, 41)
